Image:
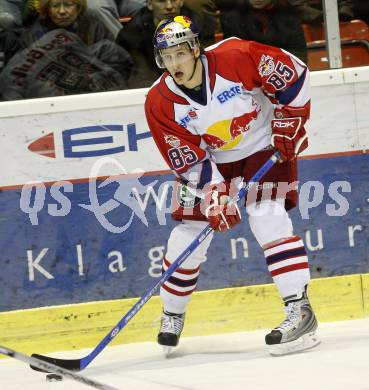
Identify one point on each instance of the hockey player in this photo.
(216, 117)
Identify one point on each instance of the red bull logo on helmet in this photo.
(162, 33)
(226, 134)
(171, 32)
(184, 20)
(162, 37)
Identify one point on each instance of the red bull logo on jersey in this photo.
(266, 65)
(226, 134)
(191, 115)
(172, 140)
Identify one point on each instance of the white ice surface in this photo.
(231, 362)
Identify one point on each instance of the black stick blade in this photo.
(68, 364)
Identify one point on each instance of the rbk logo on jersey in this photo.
(90, 141)
(284, 124)
(287, 123)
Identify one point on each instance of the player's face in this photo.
(260, 4)
(179, 61)
(164, 9)
(63, 13)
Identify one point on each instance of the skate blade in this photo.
(167, 350)
(305, 342)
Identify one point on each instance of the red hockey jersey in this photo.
(244, 82)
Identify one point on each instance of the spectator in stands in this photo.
(345, 10)
(65, 52)
(207, 6)
(312, 11)
(309, 11)
(10, 25)
(105, 11)
(10, 14)
(361, 10)
(266, 21)
(229, 4)
(67, 14)
(207, 10)
(130, 7)
(136, 37)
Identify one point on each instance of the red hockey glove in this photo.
(220, 212)
(289, 135)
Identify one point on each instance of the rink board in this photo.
(211, 312)
(73, 259)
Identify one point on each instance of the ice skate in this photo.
(297, 332)
(170, 331)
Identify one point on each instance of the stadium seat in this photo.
(354, 53)
(218, 36)
(354, 29)
(354, 44)
(313, 32)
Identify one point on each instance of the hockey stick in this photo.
(80, 364)
(43, 365)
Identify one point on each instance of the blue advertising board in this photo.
(82, 241)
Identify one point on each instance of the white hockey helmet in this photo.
(173, 32)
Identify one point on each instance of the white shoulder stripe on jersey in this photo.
(299, 64)
(215, 45)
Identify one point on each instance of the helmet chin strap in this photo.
(194, 68)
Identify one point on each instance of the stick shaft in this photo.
(46, 366)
